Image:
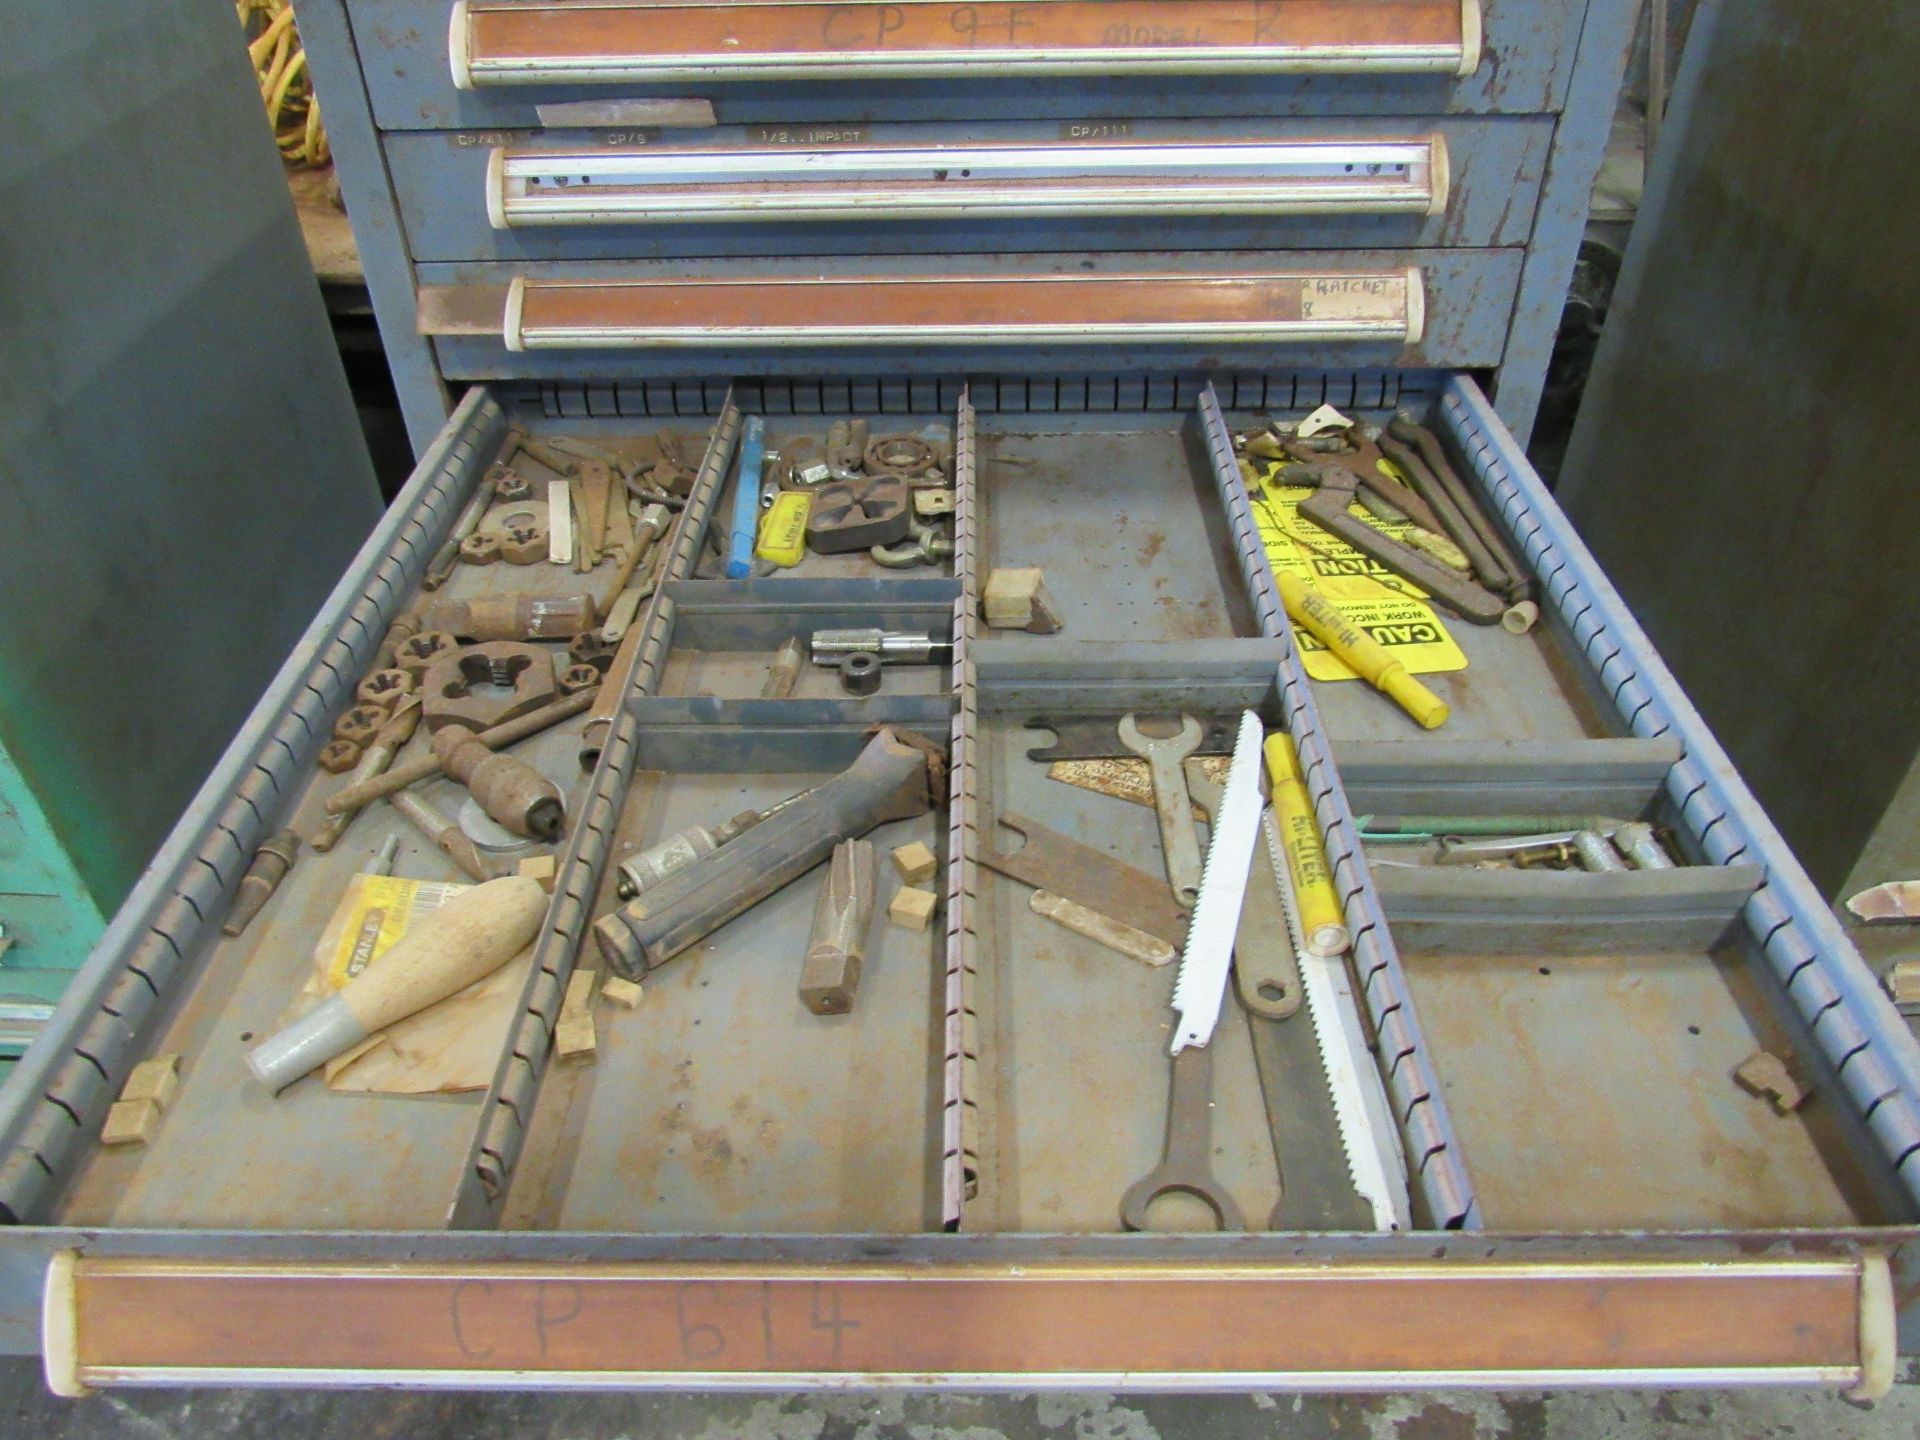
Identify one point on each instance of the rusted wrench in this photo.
(1186, 1168)
(1171, 801)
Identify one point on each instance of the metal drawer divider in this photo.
(76, 1067)
(1436, 1162)
(960, 1115)
(501, 1128)
(1865, 1041)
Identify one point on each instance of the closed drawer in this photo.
(558, 321)
(1551, 1074)
(1132, 186)
(784, 64)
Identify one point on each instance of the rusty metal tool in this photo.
(1095, 737)
(837, 947)
(496, 618)
(1104, 930)
(857, 515)
(1265, 973)
(1426, 446)
(1171, 803)
(1201, 987)
(1050, 861)
(1186, 1165)
(452, 841)
(442, 565)
(784, 673)
(378, 787)
(1336, 486)
(374, 761)
(1487, 566)
(898, 775)
(271, 862)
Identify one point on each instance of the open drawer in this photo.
(927, 1188)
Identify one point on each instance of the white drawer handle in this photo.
(626, 41)
(1185, 307)
(863, 183)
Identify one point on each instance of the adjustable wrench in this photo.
(1170, 799)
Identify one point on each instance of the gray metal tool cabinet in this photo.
(924, 1192)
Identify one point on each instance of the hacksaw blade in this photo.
(1208, 956)
(1375, 1162)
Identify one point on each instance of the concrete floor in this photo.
(27, 1410)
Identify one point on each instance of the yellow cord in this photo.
(280, 65)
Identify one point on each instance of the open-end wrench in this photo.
(1170, 799)
(1186, 1167)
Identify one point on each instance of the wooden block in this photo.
(915, 863)
(1766, 1075)
(1903, 985)
(1017, 599)
(574, 1035)
(130, 1122)
(573, 1038)
(543, 868)
(912, 909)
(624, 993)
(154, 1080)
(1007, 601)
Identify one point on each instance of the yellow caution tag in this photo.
(373, 914)
(783, 529)
(1390, 609)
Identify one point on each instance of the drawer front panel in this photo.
(1259, 1323)
(1224, 185)
(1450, 308)
(622, 42)
(1396, 57)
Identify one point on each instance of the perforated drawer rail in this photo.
(1435, 1160)
(501, 1127)
(79, 1063)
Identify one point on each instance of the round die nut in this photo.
(385, 689)
(587, 648)
(511, 486)
(523, 544)
(576, 678)
(480, 548)
(417, 652)
(339, 756)
(359, 725)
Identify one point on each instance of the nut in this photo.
(417, 652)
(512, 486)
(480, 548)
(587, 648)
(900, 455)
(339, 756)
(576, 678)
(359, 725)
(385, 689)
(523, 544)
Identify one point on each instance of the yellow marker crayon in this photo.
(783, 529)
(1322, 923)
(1367, 656)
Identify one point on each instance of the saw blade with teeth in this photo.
(1376, 1163)
(1208, 956)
